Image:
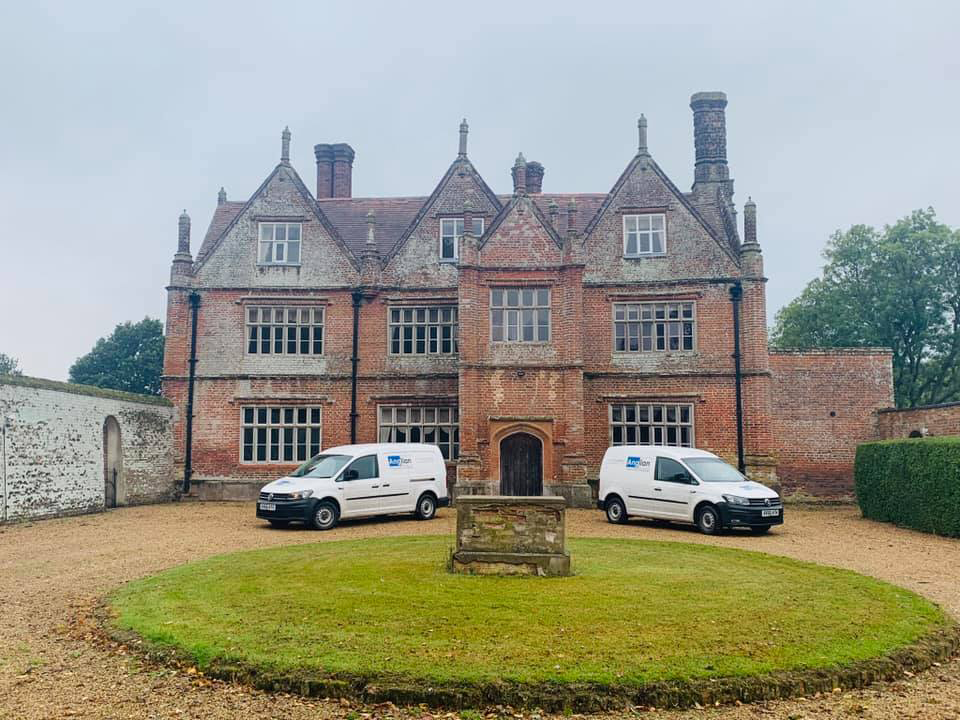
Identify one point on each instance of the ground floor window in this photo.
(436, 425)
(641, 423)
(280, 434)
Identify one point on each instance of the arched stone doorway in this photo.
(521, 465)
(112, 463)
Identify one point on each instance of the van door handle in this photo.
(658, 489)
(386, 484)
(374, 486)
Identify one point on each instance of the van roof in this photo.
(662, 450)
(380, 447)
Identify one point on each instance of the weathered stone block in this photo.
(511, 536)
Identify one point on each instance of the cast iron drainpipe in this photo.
(355, 362)
(736, 296)
(188, 459)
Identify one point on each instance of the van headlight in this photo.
(736, 500)
(302, 494)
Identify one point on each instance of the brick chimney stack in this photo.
(750, 222)
(520, 175)
(534, 180)
(710, 137)
(221, 196)
(642, 132)
(182, 267)
(342, 170)
(324, 155)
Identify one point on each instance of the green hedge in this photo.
(914, 483)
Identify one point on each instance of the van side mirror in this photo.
(351, 474)
(683, 478)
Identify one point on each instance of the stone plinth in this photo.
(511, 536)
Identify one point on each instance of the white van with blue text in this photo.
(683, 485)
(358, 481)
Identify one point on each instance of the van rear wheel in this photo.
(426, 507)
(616, 512)
(324, 516)
(708, 520)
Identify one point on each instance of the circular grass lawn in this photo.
(634, 613)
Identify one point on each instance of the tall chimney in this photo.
(710, 137)
(534, 177)
(750, 222)
(324, 155)
(183, 234)
(342, 170)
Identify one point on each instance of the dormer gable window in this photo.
(279, 243)
(644, 235)
(451, 230)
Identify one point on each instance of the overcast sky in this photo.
(116, 116)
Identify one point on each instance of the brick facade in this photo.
(562, 390)
(930, 420)
(827, 402)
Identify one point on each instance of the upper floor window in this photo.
(273, 330)
(653, 327)
(520, 314)
(644, 234)
(451, 230)
(279, 243)
(423, 330)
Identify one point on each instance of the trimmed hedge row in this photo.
(913, 483)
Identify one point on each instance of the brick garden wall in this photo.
(825, 403)
(931, 420)
(54, 460)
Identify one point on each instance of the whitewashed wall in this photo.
(54, 455)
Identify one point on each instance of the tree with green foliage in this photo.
(131, 359)
(9, 365)
(897, 288)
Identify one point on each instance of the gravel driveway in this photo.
(53, 572)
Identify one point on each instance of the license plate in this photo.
(763, 513)
(268, 506)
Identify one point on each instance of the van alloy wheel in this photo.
(426, 507)
(324, 516)
(708, 520)
(616, 512)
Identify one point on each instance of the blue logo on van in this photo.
(637, 462)
(393, 460)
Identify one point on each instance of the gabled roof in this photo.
(461, 163)
(229, 217)
(508, 208)
(681, 197)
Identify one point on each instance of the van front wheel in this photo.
(708, 520)
(324, 516)
(616, 512)
(426, 507)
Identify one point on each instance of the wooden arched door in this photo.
(521, 465)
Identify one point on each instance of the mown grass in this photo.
(634, 612)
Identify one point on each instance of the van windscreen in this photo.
(321, 466)
(713, 470)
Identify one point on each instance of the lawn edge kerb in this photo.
(937, 646)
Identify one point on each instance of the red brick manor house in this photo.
(523, 334)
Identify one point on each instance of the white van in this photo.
(358, 481)
(683, 485)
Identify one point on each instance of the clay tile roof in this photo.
(349, 217)
(222, 216)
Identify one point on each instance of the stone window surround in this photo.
(652, 402)
(456, 250)
(520, 286)
(667, 300)
(255, 425)
(279, 220)
(626, 212)
(423, 304)
(285, 307)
